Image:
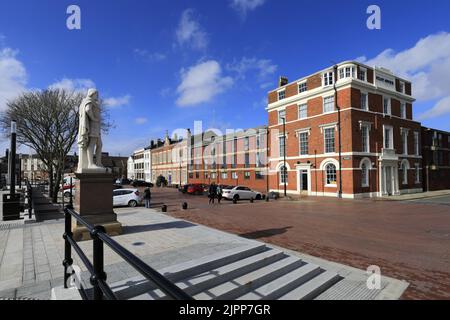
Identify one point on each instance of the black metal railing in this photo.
(98, 277)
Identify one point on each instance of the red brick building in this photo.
(379, 147)
(436, 159)
(237, 158)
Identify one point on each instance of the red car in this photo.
(195, 189)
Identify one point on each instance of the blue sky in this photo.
(164, 64)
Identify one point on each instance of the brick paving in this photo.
(408, 240)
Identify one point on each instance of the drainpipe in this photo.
(339, 129)
(267, 162)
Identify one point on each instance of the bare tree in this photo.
(47, 122)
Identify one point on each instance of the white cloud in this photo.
(140, 120)
(150, 56)
(189, 31)
(13, 76)
(77, 85)
(201, 83)
(427, 65)
(115, 102)
(243, 6)
(264, 68)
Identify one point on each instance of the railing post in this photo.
(99, 273)
(67, 247)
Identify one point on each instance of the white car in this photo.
(126, 197)
(241, 193)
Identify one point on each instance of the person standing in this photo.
(212, 192)
(219, 194)
(147, 197)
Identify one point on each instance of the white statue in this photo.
(89, 134)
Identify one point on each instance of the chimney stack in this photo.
(282, 81)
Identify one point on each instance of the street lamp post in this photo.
(12, 160)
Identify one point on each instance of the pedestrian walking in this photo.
(212, 192)
(219, 194)
(147, 197)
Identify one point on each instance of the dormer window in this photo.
(281, 94)
(327, 79)
(347, 72)
(362, 74)
(302, 87)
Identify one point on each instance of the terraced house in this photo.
(235, 158)
(346, 130)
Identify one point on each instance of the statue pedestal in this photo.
(94, 202)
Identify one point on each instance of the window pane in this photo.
(328, 104)
(329, 140)
(304, 143)
(330, 174)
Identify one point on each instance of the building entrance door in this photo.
(304, 182)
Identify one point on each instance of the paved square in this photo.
(408, 240)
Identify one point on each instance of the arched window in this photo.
(364, 175)
(283, 175)
(330, 174)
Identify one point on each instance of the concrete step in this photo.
(284, 284)
(241, 285)
(314, 287)
(198, 283)
(187, 270)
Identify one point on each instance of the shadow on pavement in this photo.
(264, 233)
(157, 226)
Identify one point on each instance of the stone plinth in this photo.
(94, 202)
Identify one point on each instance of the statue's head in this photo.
(92, 94)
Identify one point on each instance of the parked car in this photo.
(141, 183)
(126, 197)
(241, 193)
(117, 186)
(66, 192)
(123, 181)
(184, 188)
(195, 188)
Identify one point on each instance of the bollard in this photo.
(234, 201)
(164, 208)
(184, 205)
(251, 200)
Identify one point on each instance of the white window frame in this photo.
(361, 69)
(366, 101)
(327, 78)
(404, 136)
(300, 133)
(279, 118)
(403, 110)
(330, 185)
(300, 84)
(333, 128)
(402, 86)
(389, 111)
(283, 175)
(280, 149)
(365, 182)
(417, 170)
(234, 175)
(300, 106)
(404, 169)
(416, 143)
(391, 137)
(281, 94)
(323, 104)
(367, 138)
